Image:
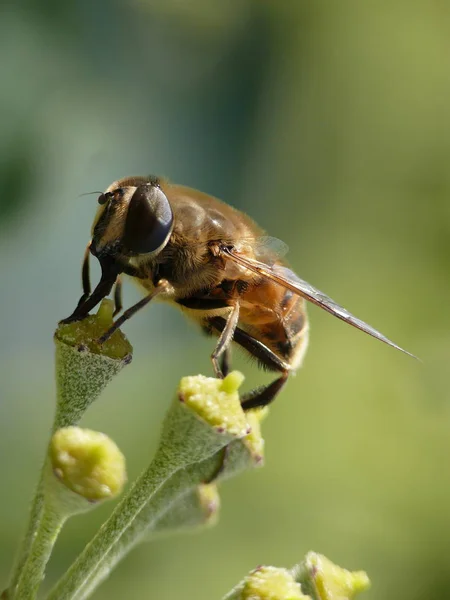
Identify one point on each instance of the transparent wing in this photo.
(268, 249)
(287, 279)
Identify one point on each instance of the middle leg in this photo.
(266, 394)
(225, 339)
(225, 361)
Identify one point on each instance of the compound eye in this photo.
(102, 199)
(149, 220)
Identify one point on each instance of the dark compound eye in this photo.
(149, 220)
(102, 199)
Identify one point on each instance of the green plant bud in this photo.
(83, 370)
(209, 502)
(254, 440)
(268, 583)
(247, 452)
(86, 333)
(83, 367)
(216, 401)
(198, 508)
(87, 462)
(204, 418)
(326, 581)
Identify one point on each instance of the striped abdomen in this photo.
(276, 317)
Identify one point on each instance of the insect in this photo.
(213, 262)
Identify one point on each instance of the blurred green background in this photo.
(328, 122)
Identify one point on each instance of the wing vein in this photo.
(310, 293)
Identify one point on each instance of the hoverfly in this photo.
(214, 263)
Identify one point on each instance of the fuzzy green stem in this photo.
(27, 543)
(83, 370)
(202, 420)
(92, 558)
(50, 525)
(174, 491)
(161, 510)
(83, 468)
(197, 509)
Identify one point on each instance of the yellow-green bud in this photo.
(87, 462)
(332, 582)
(209, 501)
(84, 334)
(83, 367)
(254, 440)
(271, 583)
(216, 401)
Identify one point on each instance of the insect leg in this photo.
(264, 395)
(85, 278)
(160, 287)
(206, 304)
(85, 273)
(104, 287)
(225, 360)
(225, 338)
(118, 296)
(265, 356)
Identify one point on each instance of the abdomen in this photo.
(276, 317)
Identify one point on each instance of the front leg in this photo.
(162, 286)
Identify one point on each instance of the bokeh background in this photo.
(328, 122)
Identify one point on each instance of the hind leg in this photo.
(266, 394)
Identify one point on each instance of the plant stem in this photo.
(34, 522)
(205, 417)
(90, 559)
(50, 523)
(80, 378)
(175, 489)
(30, 536)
